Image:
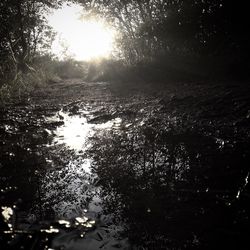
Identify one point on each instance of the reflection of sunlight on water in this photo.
(67, 189)
(7, 214)
(86, 166)
(241, 189)
(115, 123)
(74, 131)
(71, 185)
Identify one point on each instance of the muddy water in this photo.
(71, 192)
(133, 179)
(55, 191)
(75, 182)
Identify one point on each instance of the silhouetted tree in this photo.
(23, 32)
(151, 27)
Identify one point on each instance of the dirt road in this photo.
(130, 166)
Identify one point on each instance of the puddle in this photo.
(71, 189)
(76, 130)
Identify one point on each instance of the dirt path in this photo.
(107, 166)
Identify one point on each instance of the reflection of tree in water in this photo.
(66, 191)
(173, 188)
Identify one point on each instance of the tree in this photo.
(150, 27)
(23, 31)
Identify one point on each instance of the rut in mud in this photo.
(105, 166)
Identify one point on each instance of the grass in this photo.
(14, 90)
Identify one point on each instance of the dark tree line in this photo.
(147, 29)
(152, 27)
(24, 33)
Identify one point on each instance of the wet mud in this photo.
(135, 166)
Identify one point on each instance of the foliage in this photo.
(69, 68)
(24, 32)
(24, 36)
(22, 85)
(153, 27)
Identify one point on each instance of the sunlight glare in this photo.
(81, 39)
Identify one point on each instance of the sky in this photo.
(85, 39)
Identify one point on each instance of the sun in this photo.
(81, 39)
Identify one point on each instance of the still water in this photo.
(69, 187)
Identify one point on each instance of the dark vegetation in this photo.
(192, 37)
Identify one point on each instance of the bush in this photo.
(45, 69)
(21, 85)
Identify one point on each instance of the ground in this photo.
(126, 165)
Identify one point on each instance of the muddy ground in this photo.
(126, 166)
